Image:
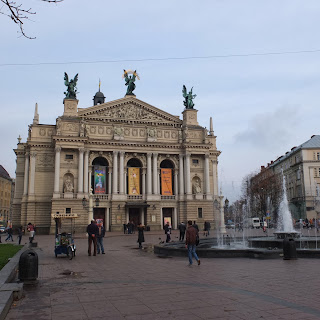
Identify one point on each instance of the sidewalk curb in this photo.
(9, 291)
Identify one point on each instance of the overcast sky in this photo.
(261, 105)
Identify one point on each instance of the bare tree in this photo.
(19, 13)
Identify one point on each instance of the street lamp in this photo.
(97, 201)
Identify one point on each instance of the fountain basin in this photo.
(258, 248)
(287, 234)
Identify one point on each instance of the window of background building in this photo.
(195, 161)
(69, 156)
(200, 213)
(68, 210)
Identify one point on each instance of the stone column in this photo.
(109, 180)
(158, 181)
(121, 175)
(206, 174)
(26, 174)
(57, 170)
(175, 218)
(32, 171)
(80, 171)
(215, 177)
(175, 191)
(125, 181)
(149, 189)
(108, 220)
(89, 180)
(181, 175)
(85, 174)
(143, 181)
(188, 182)
(155, 173)
(142, 215)
(115, 172)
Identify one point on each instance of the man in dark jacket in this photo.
(100, 236)
(182, 229)
(92, 231)
(191, 239)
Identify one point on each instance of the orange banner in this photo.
(166, 182)
(133, 181)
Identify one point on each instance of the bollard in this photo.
(289, 249)
(28, 266)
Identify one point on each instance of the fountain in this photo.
(251, 247)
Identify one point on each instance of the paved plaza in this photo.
(128, 283)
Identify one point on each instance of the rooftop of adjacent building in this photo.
(312, 143)
(4, 173)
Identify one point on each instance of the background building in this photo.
(5, 194)
(301, 169)
(120, 161)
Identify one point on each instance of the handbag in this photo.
(197, 239)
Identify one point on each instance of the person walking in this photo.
(9, 231)
(191, 240)
(20, 233)
(182, 229)
(100, 236)
(195, 225)
(92, 231)
(167, 231)
(140, 235)
(31, 232)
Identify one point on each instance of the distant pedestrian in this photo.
(92, 230)
(191, 240)
(195, 225)
(100, 236)
(182, 229)
(30, 228)
(167, 231)
(140, 235)
(10, 232)
(20, 233)
(124, 228)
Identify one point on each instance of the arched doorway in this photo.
(99, 175)
(166, 181)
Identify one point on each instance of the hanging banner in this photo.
(133, 181)
(99, 180)
(166, 182)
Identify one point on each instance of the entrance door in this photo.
(134, 215)
(100, 213)
(167, 215)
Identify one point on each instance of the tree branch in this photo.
(18, 14)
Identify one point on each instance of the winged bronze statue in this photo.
(188, 103)
(71, 86)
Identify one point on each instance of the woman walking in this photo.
(140, 235)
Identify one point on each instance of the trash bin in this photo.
(289, 249)
(28, 265)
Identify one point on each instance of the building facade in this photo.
(118, 161)
(5, 194)
(301, 169)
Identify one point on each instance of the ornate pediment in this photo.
(128, 110)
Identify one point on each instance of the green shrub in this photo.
(7, 251)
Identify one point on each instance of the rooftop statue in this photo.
(130, 81)
(71, 86)
(188, 103)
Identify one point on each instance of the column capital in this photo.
(206, 155)
(188, 155)
(149, 155)
(122, 153)
(115, 152)
(81, 150)
(57, 149)
(33, 154)
(155, 154)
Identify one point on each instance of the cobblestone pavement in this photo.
(128, 283)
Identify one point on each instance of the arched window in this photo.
(99, 176)
(166, 181)
(134, 180)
